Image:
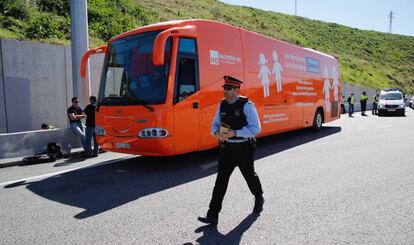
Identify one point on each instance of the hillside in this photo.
(367, 58)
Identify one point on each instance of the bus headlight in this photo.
(100, 131)
(153, 133)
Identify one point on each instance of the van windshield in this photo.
(391, 96)
(129, 75)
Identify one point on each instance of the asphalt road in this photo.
(351, 183)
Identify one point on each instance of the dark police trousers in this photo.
(363, 106)
(232, 155)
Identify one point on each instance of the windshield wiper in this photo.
(125, 98)
(140, 101)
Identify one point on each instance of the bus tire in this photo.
(317, 120)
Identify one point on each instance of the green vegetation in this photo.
(367, 58)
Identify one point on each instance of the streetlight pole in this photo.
(80, 44)
(296, 5)
(391, 16)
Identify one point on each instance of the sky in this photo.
(361, 14)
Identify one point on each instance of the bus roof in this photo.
(173, 23)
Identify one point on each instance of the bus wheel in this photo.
(317, 120)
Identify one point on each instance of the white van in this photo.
(391, 101)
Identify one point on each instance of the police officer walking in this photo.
(235, 124)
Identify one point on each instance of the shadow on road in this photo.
(212, 236)
(106, 186)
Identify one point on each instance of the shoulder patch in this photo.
(243, 99)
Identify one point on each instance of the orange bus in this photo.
(161, 85)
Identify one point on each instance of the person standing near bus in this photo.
(363, 100)
(351, 102)
(90, 128)
(235, 124)
(75, 114)
(375, 104)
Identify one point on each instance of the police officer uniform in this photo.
(351, 101)
(241, 116)
(363, 100)
(375, 105)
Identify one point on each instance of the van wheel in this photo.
(317, 120)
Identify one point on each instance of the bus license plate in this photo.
(391, 110)
(122, 146)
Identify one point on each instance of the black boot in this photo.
(258, 204)
(211, 218)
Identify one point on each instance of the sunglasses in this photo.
(227, 88)
(75, 101)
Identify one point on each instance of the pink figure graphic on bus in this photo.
(327, 90)
(277, 71)
(264, 74)
(335, 86)
(336, 83)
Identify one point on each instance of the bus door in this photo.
(186, 99)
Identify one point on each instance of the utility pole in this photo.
(80, 44)
(296, 8)
(391, 16)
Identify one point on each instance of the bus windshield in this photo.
(129, 76)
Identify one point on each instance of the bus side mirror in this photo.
(159, 43)
(85, 58)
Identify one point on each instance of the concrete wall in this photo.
(36, 85)
(33, 78)
(3, 121)
(348, 88)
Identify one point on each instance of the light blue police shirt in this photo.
(253, 124)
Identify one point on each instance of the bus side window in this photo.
(186, 79)
(187, 73)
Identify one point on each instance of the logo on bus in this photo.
(214, 57)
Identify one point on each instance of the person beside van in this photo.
(90, 128)
(363, 100)
(375, 101)
(235, 125)
(351, 102)
(75, 114)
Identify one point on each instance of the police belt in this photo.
(236, 141)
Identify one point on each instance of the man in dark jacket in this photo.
(90, 128)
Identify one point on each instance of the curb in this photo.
(11, 164)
